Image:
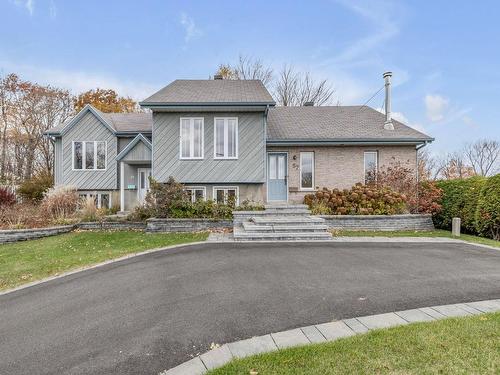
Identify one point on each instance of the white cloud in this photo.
(28, 4)
(190, 29)
(77, 82)
(399, 116)
(436, 107)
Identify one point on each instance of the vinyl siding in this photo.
(248, 168)
(58, 164)
(140, 152)
(89, 129)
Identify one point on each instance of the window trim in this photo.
(193, 197)
(364, 164)
(191, 124)
(312, 188)
(226, 144)
(84, 156)
(225, 188)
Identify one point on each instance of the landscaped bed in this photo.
(452, 346)
(430, 233)
(24, 262)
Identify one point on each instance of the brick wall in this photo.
(340, 166)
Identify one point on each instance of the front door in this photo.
(277, 175)
(143, 183)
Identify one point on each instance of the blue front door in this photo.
(277, 176)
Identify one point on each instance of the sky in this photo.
(445, 55)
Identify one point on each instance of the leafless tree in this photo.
(289, 88)
(295, 89)
(454, 165)
(251, 68)
(483, 155)
(429, 167)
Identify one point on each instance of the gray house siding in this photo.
(248, 168)
(58, 162)
(140, 152)
(89, 129)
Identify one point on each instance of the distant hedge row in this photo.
(476, 201)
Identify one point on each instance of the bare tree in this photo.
(454, 165)
(290, 87)
(295, 89)
(483, 155)
(429, 167)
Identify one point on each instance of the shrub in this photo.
(89, 211)
(60, 202)
(359, 200)
(7, 198)
(171, 200)
(34, 189)
(25, 215)
(459, 199)
(487, 216)
(420, 198)
(248, 205)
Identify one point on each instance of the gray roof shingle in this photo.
(129, 122)
(335, 123)
(215, 91)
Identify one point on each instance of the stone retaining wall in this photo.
(379, 222)
(13, 235)
(112, 225)
(186, 225)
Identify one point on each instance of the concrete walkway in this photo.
(219, 356)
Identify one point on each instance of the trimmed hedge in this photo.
(488, 209)
(475, 200)
(459, 199)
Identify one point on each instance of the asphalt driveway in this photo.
(152, 312)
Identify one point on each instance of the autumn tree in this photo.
(454, 165)
(27, 110)
(106, 101)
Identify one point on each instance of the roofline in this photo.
(204, 104)
(138, 138)
(346, 141)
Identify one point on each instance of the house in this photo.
(227, 138)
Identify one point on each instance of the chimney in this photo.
(218, 77)
(308, 104)
(388, 119)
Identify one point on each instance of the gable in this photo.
(139, 149)
(87, 111)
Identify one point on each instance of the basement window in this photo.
(197, 193)
(226, 195)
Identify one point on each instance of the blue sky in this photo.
(445, 55)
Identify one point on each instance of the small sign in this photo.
(131, 186)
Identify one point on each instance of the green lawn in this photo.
(23, 262)
(409, 233)
(454, 346)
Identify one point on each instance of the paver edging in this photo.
(326, 332)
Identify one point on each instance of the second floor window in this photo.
(226, 138)
(191, 138)
(89, 155)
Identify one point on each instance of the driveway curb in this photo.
(325, 332)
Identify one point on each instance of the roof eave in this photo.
(346, 142)
(204, 104)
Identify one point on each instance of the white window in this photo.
(101, 200)
(371, 166)
(307, 170)
(226, 138)
(89, 155)
(196, 193)
(226, 194)
(191, 138)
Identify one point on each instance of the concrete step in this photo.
(286, 220)
(281, 206)
(242, 235)
(255, 228)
